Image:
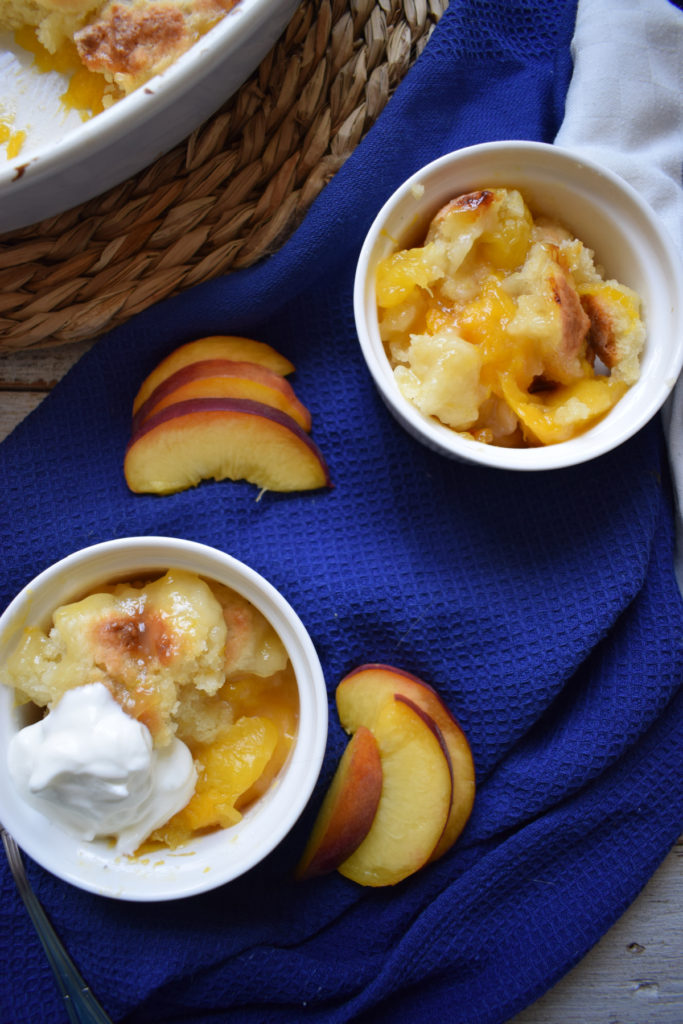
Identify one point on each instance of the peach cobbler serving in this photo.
(501, 326)
(190, 680)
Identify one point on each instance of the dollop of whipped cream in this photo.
(93, 769)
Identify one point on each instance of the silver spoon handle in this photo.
(81, 1005)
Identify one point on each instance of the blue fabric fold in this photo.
(543, 607)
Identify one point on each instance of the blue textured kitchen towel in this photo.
(542, 606)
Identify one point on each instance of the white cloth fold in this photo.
(624, 109)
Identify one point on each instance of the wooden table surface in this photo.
(634, 975)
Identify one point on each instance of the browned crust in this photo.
(130, 39)
(601, 337)
(479, 200)
(574, 320)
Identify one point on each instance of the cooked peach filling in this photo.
(501, 326)
(188, 658)
(13, 139)
(239, 764)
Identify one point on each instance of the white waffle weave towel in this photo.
(625, 110)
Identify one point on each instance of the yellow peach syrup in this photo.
(13, 139)
(501, 326)
(86, 92)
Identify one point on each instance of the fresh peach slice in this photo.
(219, 438)
(361, 696)
(416, 797)
(225, 378)
(349, 807)
(218, 346)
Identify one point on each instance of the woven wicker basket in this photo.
(229, 195)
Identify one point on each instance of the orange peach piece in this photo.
(219, 438)
(225, 378)
(349, 807)
(276, 698)
(550, 417)
(362, 694)
(226, 768)
(415, 801)
(218, 346)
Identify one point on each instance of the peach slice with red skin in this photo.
(219, 438)
(415, 801)
(217, 346)
(225, 378)
(348, 810)
(360, 697)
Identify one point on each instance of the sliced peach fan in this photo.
(221, 408)
(212, 347)
(225, 378)
(404, 787)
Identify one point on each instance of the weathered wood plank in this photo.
(634, 975)
(38, 369)
(26, 377)
(14, 406)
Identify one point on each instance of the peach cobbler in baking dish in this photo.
(115, 45)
